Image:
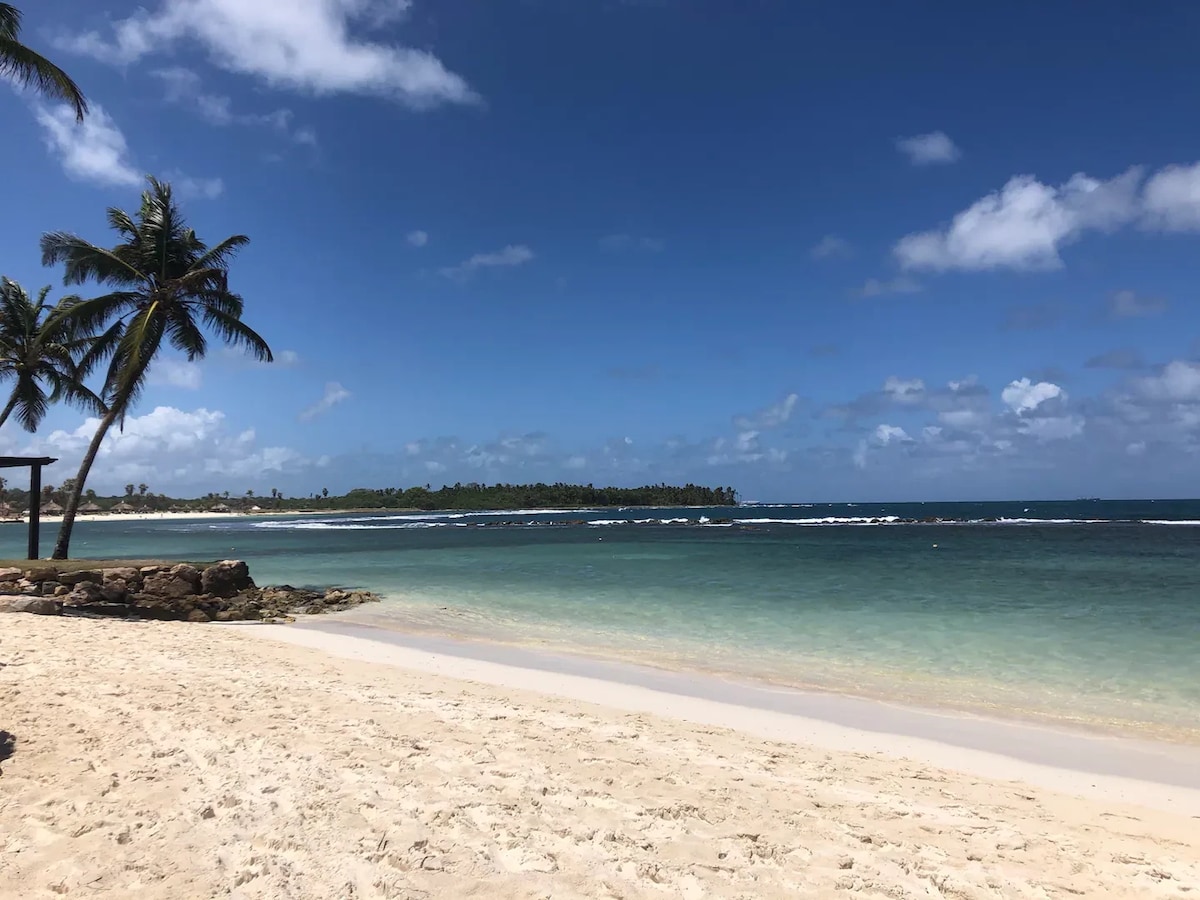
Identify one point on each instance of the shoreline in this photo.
(163, 760)
(1161, 774)
(565, 657)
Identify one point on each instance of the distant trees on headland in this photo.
(457, 497)
(531, 496)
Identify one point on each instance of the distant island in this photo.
(139, 498)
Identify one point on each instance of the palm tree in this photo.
(40, 349)
(29, 68)
(167, 284)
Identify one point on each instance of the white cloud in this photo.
(882, 436)
(887, 434)
(188, 187)
(860, 455)
(94, 150)
(746, 442)
(185, 88)
(901, 284)
(174, 372)
(831, 247)
(963, 419)
(512, 255)
(1171, 199)
(768, 417)
(1052, 428)
(334, 394)
(1023, 396)
(1024, 225)
(905, 392)
(303, 45)
(305, 135)
(417, 238)
(168, 448)
(1179, 382)
(575, 463)
(1128, 305)
(929, 149)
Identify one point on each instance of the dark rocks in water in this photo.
(222, 592)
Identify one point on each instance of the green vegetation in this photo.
(31, 69)
(532, 496)
(41, 349)
(457, 497)
(166, 284)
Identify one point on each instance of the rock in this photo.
(39, 606)
(84, 594)
(61, 591)
(50, 588)
(198, 615)
(119, 587)
(42, 573)
(171, 585)
(11, 574)
(150, 570)
(131, 577)
(114, 591)
(226, 578)
(186, 572)
(73, 578)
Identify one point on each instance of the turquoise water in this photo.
(1081, 612)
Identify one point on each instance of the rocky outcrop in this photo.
(221, 592)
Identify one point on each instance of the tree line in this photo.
(534, 496)
(471, 496)
(160, 286)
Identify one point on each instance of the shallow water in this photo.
(1076, 612)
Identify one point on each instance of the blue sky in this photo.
(821, 251)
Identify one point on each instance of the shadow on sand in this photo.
(8, 744)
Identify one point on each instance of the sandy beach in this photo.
(173, 760)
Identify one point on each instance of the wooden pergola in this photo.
(35, 464)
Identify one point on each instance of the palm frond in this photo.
(32, 402)
(132, 357)
(100, 348)
(30, 68)
(121, 222)
(89, 316)
(236, 332)
(184, 334)
(10, 21)
(85, 261)
(222, 254)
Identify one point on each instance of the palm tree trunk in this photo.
(63, 544)
(12, 402)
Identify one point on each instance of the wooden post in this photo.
(35, 509)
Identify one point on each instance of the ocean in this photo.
(1084, 613)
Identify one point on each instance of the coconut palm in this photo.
(30, 68)
(46, 355)
(169, 286)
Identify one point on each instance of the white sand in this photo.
(173, 760)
